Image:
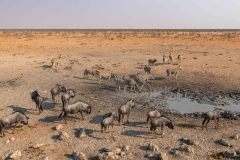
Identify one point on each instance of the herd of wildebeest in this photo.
(133, 82)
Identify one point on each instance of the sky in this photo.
(119, 14)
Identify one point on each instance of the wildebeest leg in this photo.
(217, 122)
(65, 117)
(82, 115)
(122, 118)
(162, 126)
(53, 99)
(36, 107)
(128, 117)
(207, 123)
(203, 123)
(112, 125)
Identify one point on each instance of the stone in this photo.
(153, 147)
(117, 151)
(223, 142)
(63, 135)
(58, 127)
(7, 141)
(236, 137)
(162, 156)
(189, 141)
(37, 146)
(125, 148)
(79, 156)
(186, 148)
(15, 155)
(83, 134)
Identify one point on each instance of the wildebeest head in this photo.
(89, 110)
(131, 103)
(170, 125)
(71, 92)
(24, 118)
(153, 127)
(34, 94)
(107, 115)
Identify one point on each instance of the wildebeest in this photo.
(56, 91)
(166, 59)
(179, 58)
(67, 96)
(173, 72)
(16, 119)
(125, 83)
(161, 122)
(170, 57)
(35, 96)
(107, 121)
(212, 115)
(152, 114)
(125, 110)
(152, 62)
(94, 73)
(147, 69)
(77, 107)
(141, 82)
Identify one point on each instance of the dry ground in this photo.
(211, 61)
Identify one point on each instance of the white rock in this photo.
(63, 135)
(153, 147)
(58, 127)
(7, 141)
(83, 134)
(12, 139)
(79, 156)
(15, 155)
(125, 148)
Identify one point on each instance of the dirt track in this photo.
(210, 63)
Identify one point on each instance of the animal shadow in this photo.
(187, 125)
(97, 119)
(48, 105)
(134, 124)
(134, 133)
(18, 109)
(46, 66)
(50, 119)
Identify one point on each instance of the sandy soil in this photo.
(210, 61)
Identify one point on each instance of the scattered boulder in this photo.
(223, 142)
(189, 141)
(37, 146)
(125, 148)
(159, 156)
(235, 136)
(82, 134)
(13, 155)
(63, 136)
(10, 140)
(152, 147)
(58, 127)
(79, 156)
(186, 148)
(223, 155)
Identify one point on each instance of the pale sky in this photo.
(120, 14)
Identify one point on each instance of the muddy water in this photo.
(185, 105)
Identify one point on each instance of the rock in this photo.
(153, 147)
(175, 152)
(236, 137)
(37, 146)
(58, 127)
(63, 135)
(189, 141)
(186, 148)
(46, 158)
(223, 155)
(12, 139)
(7, 141)
(223, 142)
(117, 151)
(159, 156)
(125, 148)
(79, 156)
(83, 134)
(122, 154)
(107, 156)
(14, 155)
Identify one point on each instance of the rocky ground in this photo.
(210, 75)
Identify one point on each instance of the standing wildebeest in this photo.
(74, 109)
(56, 91)
(152, 114)
(147, 69)
(67, 96)
(35, 96)
(211, 115)
(166, 59)
(16, 118)
(170, 57)
(152, 62)
(173, 72)
(179, 58)
(94, 73)
(107, 121)
(141, 81)
(125, 110)
(161, 122)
